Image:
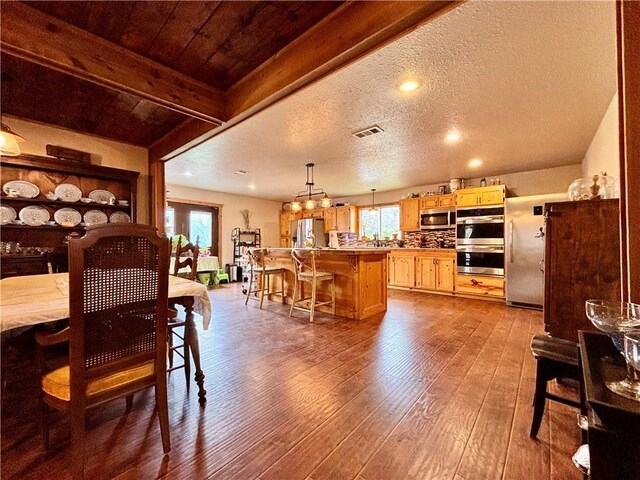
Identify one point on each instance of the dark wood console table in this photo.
(613, 432)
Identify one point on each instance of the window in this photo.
(196, 222)
(200, 227)
(385, 221)
(170, 221)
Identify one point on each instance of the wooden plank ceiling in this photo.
(216, 43)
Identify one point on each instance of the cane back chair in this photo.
(117, 334)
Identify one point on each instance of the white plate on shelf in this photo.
(68, 192)
(102, 196)
(66, 216)
(34, 216)
(7, 214)
(95, 217)
(25, 189)
(119, 217)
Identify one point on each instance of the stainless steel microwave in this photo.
(437, 219)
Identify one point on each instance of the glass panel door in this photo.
(200, 228)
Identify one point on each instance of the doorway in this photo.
(199, 223)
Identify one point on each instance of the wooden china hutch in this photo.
(47, 173)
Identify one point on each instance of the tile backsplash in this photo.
(429, 239)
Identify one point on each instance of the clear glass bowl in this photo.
(614, 318)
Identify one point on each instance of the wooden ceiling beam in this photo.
(37, 37)
(350, 32)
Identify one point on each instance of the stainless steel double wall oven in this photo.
(480, 240)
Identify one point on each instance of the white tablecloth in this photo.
(34, 299)
(205, 264)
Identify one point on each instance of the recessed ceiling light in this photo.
(188, 174)
(240, 172)
(252, 186)
(476, 162)
(409, 86)
(452, 137)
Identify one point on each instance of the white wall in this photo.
(603, 154)
(535, 182)
(265, 215)
(108, 153)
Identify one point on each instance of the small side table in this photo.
(613, 432)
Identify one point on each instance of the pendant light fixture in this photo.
(9, 141)
(308, 194)
(373, 208)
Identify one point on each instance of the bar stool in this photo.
(304, 262)
(260, 275)
(556, 358)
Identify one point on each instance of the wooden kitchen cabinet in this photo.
(315, 213)
(342, 219)
(426, 272)
(410, 215)
(402, 269)
(480, 285)
(285, 224)
(330, 219)
(285, 242)
(346, 219)
(481, 196)
(435, 272)
(437, 201)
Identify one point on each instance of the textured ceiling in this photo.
(525, 83)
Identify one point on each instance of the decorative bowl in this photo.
(51, 196)
(614, 318)
(86, 200)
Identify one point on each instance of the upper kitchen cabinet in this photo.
(410, 215)
(315, 213)
(342, 219)
(437, 201)
(469, 197)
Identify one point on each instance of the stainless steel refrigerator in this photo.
(301, 228)
(524, 239)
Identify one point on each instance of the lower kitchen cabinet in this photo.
(433, 271)
(480, 285)
(402, 269)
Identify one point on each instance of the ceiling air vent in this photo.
(368, 131)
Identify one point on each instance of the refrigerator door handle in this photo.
(511, 241)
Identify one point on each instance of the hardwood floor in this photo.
(437, 388)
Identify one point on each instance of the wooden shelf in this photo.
(39, 201)
(44, 227)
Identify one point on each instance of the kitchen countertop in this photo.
(360, 251)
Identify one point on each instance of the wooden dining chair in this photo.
(260, 277)
(186, 257)
(304, 262)
(117, 334)
(178, 342)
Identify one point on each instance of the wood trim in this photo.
(157, 194)
(350, 32)
(190, 133)
(196, 202)
(628, 30)
(219, 206)
(37, 37)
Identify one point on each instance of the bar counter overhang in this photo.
(360, 279)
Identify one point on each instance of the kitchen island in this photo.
(360, 276)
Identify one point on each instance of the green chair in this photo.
(221, 275)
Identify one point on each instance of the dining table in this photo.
(207, 267)
(31, 300)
